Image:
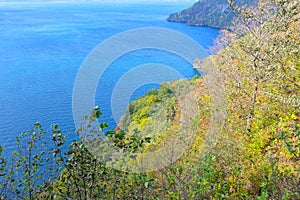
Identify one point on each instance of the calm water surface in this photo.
(43, 45)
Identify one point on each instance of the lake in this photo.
(44, 44)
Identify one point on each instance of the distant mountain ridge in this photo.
(216, 13)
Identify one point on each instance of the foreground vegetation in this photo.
(256, 155)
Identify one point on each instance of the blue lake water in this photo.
(44, 44)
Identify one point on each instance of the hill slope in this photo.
(216, 14)
(255, 154)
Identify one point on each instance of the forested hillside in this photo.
(216, 14)
(254, 155)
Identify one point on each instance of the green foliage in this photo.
(24, 176)
(216, 14)
(3, 174)
(257, 154)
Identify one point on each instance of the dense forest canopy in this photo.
(216, 14)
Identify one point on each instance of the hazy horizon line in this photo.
(90, 1)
